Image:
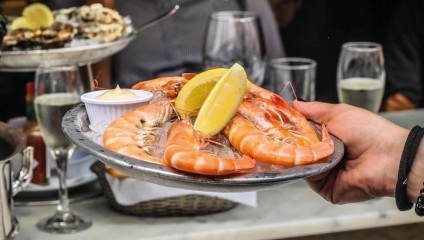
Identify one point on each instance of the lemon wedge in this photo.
(38, 15)
(222, 102)
(193, 94)
(21, 22)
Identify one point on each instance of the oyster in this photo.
(55, 36)
(94, 22)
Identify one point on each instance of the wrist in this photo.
(416, 175)
(394, 154)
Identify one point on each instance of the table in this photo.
(406, 119)
(290, 211)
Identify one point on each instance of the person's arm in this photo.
(397, 102)
(374, 147)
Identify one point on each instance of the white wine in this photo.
(362, 92)
(50, 109)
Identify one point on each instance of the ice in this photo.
(159, 143)
(220, 146)
(95, 136)
(99, 127)
(266, 167)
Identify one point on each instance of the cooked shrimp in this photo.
(167, 86)
(289, 118)
(251, 141)
(134, 133)
(183, 151)
(264, 121)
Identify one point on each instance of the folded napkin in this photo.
(129, 191)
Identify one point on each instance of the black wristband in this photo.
(405, 164)
(419, 206)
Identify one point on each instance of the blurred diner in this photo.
(404, 58)
(316, 29)
(175, 46)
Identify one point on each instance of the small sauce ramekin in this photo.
(106, 111)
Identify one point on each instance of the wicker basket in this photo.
(187, 205)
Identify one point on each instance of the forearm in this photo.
(416, 175)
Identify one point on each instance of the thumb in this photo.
(315, 111)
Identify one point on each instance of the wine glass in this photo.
(57, 90)
(235, 37)
(361, 75)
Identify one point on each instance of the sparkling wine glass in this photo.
(235, 37)
(361, 75)
(57, 90)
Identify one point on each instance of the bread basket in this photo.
(187, 205)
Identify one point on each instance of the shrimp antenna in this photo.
(292, 88)
(176, 112)
(280, 118)
(96, 82)
(216, 142)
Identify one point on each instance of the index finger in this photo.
(315, 111)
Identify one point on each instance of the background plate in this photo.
(54, 183)
(76, 193)
(75, 125)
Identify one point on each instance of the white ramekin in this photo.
(106, 111)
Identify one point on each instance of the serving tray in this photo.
(75, 124)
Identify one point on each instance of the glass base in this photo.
(69, 223)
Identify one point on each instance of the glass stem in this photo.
(63, 207)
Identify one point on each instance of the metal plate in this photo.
(29, 60)
(75, 125)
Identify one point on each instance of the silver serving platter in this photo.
(29, 60)
(75, 124)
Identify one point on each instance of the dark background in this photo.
(320, 27)
(317, 31)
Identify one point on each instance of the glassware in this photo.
(57, 90)
(300, 72)
(361, 75)
(235, 37)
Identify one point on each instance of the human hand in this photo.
(397, 102)
(373, 149)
